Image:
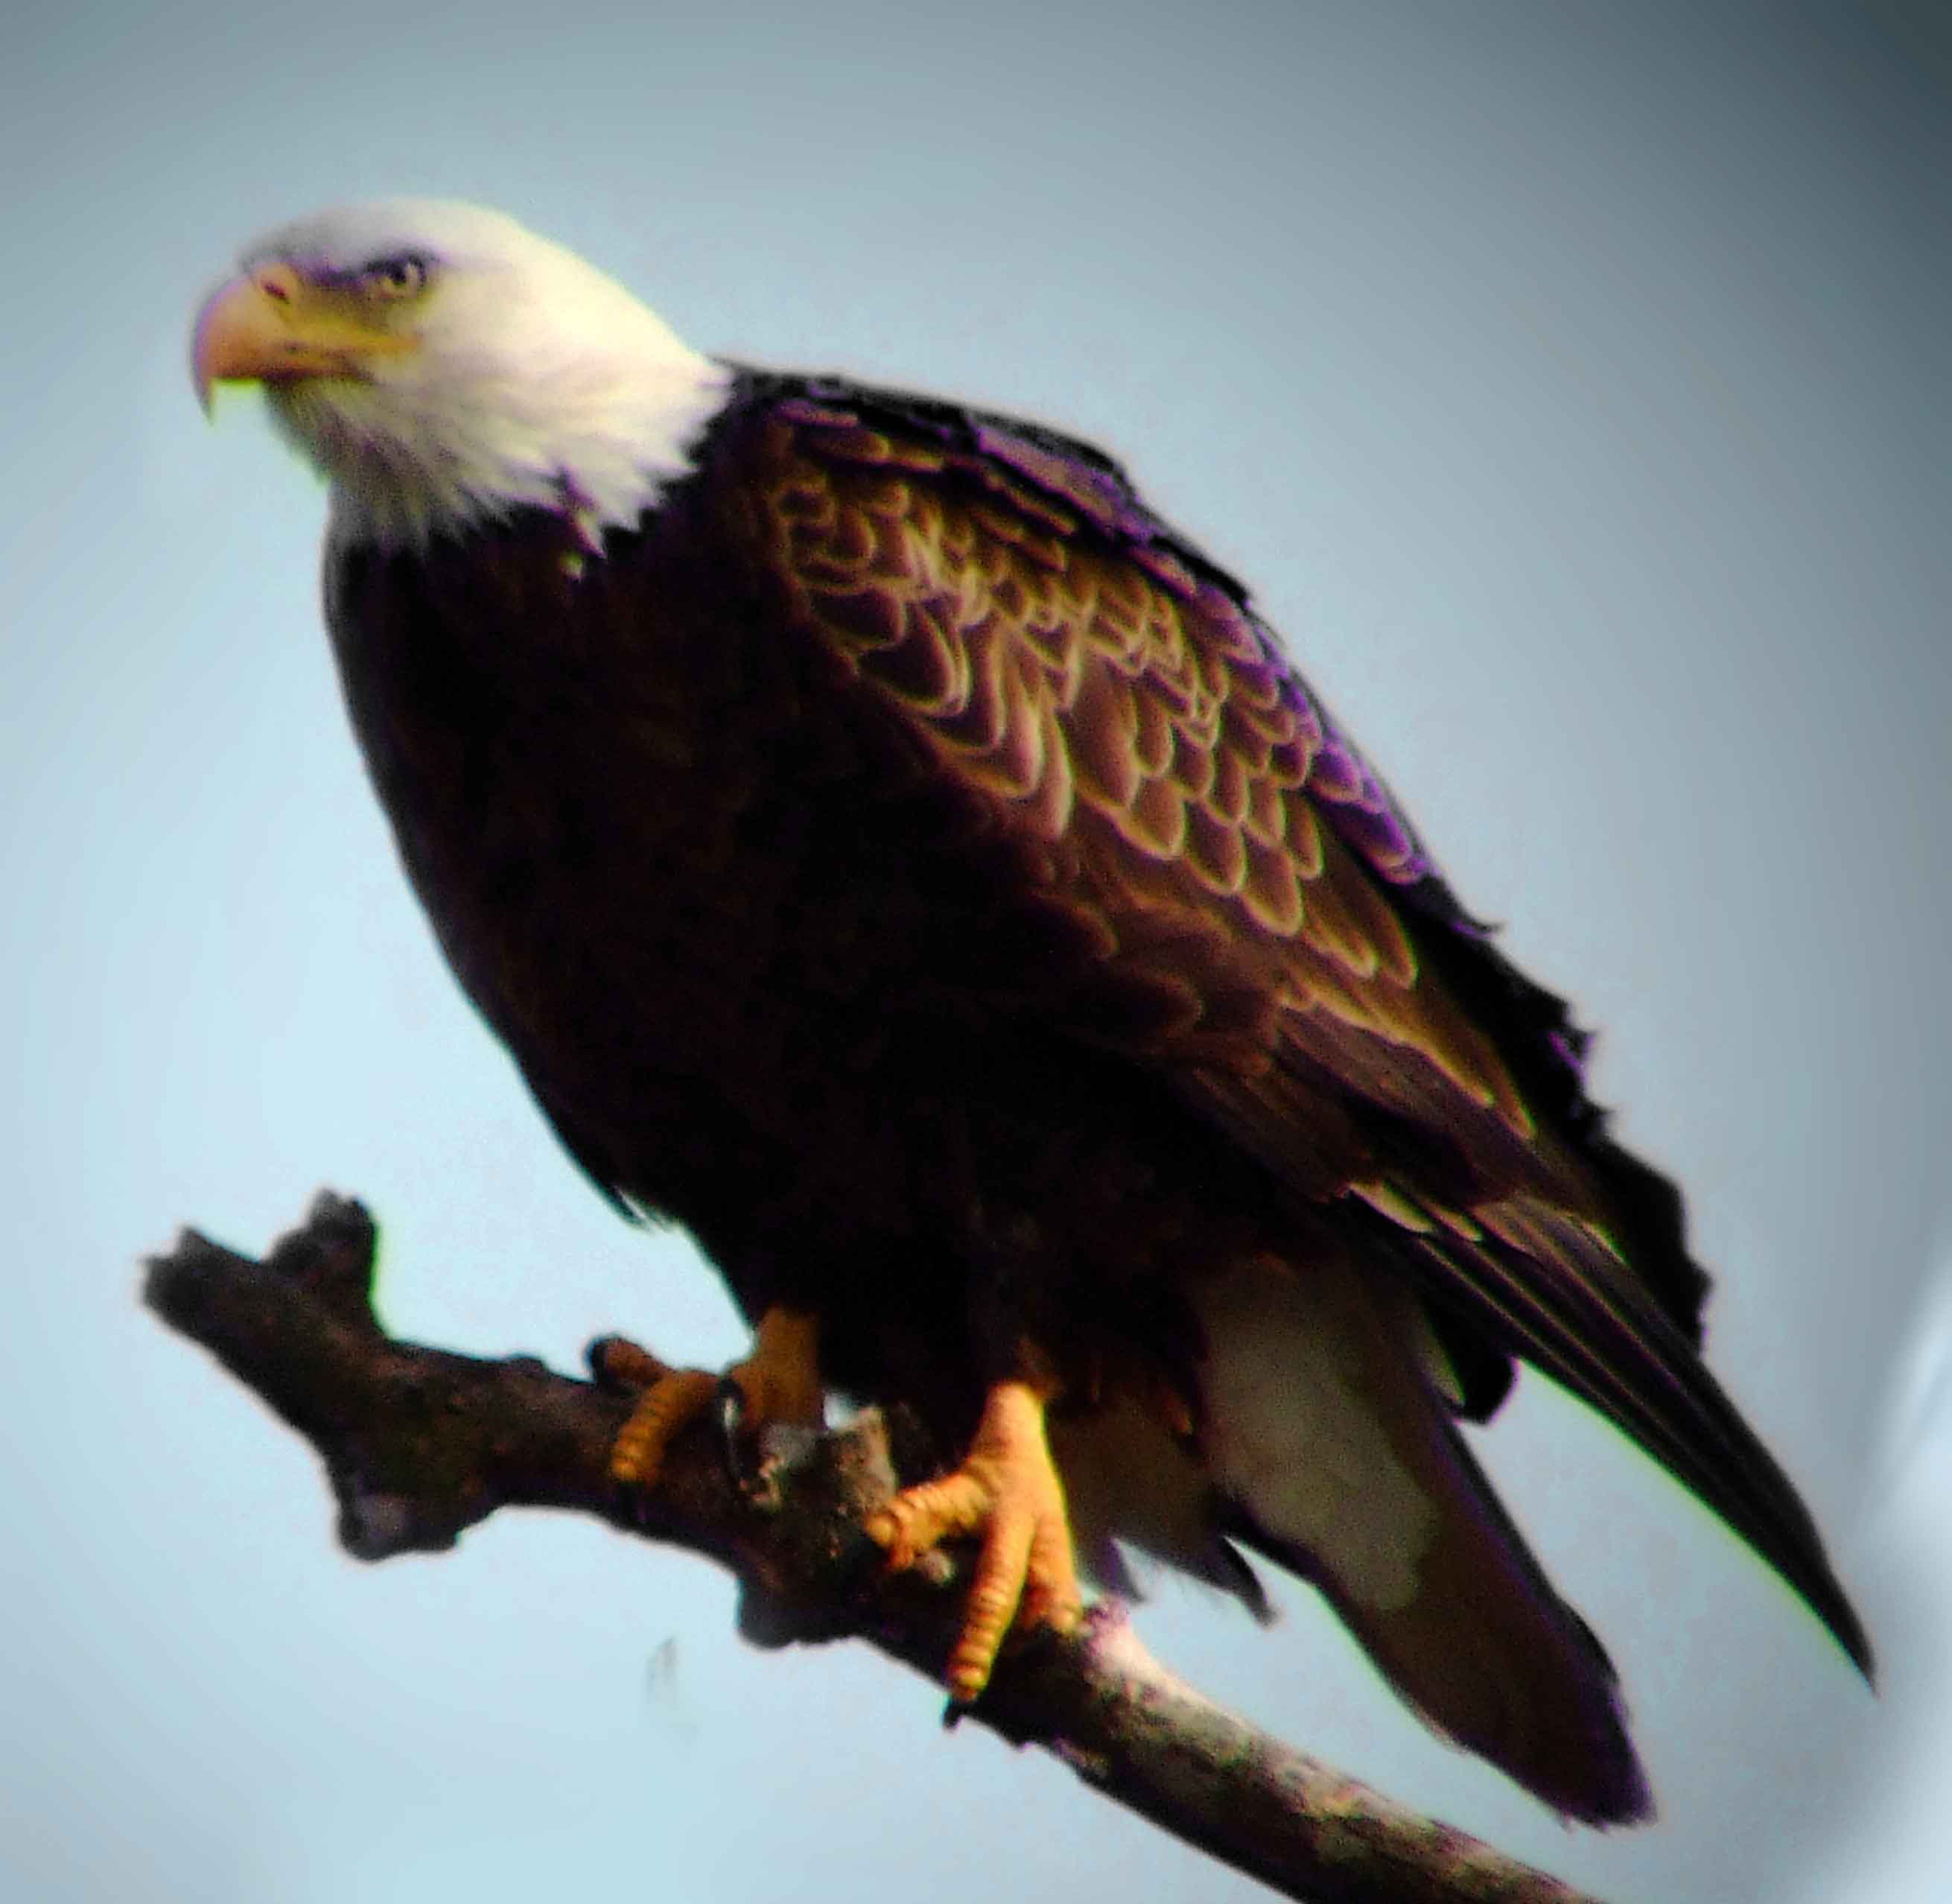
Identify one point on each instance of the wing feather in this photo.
(1269, 932)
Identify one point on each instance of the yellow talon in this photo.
(672, 1402)
(1008, 1492)
(780, 1382)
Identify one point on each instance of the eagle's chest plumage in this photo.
(608, 793)
(714, 908)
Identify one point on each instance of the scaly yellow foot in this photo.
(779, 1381)
(1007, 1492)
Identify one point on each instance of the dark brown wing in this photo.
(1267, 929)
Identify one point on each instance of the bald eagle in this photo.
(889, 850)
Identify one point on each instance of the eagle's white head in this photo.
(442, 366)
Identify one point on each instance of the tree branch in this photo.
(420, 1443)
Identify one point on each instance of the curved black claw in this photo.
(728, 1410)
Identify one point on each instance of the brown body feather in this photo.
(904, 863)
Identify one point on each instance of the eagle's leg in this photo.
(1007, 1492)
(779, 1381)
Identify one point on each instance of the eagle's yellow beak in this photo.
(272, 324)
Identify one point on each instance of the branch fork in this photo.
(420, 1443)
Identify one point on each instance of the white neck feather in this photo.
(602, 460)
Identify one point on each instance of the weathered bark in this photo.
(421, 1444)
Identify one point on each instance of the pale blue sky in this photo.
(1563, 380)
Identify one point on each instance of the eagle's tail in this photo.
(1333, 1453)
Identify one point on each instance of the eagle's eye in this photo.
(394, 277)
